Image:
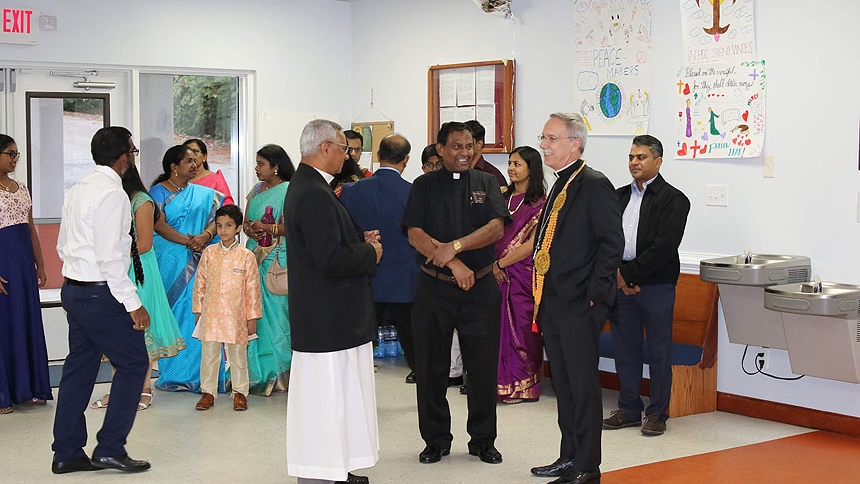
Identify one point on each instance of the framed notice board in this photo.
(372, 133)
(474, 90)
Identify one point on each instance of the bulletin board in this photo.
(372, 133)
(474, 90)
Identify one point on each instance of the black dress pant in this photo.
(440, 307)
(571, 336)
(651, 312)
(98, 325)
(401, 316)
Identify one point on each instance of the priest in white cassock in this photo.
(331, 404)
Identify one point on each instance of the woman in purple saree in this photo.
(520, 348)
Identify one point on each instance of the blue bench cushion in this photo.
(682, 354)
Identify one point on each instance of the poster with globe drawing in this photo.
(721, 110)
(716, 32)
(613, 78)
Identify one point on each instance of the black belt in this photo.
(85, 283)
(445, 277)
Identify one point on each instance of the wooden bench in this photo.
(694, 349)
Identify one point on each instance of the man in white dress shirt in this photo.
(105, 315)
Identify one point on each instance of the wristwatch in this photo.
(457, 245)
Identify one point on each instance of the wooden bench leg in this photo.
(694, 390)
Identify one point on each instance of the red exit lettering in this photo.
(17, 21)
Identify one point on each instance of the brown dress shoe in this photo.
(240, 402)
(206, 401)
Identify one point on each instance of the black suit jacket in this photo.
(588, 242)
(330, 265)
(662, 219)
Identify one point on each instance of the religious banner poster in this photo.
(613, 78)
(721, 110)
(717, 31)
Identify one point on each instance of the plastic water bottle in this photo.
(390, 342)
(268, 218)
(379, 350)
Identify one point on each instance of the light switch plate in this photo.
(768, 170)
(718, 195)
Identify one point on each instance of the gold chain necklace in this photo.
(8, 187)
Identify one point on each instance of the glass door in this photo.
(53, 122)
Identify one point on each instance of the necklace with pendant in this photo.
(8, 187)
(518, 206)
(174, 185)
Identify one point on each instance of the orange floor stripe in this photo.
(815, 457)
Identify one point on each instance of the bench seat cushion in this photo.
(682, 354)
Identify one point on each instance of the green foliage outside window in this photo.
(205, 106)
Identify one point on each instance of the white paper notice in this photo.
(447, 89)
(486, 115)
(447, 114)
(466, 87)
(466, 113)
(485, 85)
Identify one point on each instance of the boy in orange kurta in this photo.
(227, 302)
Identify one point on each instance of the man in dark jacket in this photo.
(655, 214)
(331, 410)
(378, 203)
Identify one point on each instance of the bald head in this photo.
(394, 151)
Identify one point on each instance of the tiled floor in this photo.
(222, 446)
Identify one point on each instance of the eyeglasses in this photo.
(433, 166)
(553, 139)
(345, 147)
(12, 154)
(134, 152)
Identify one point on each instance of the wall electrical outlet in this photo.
(762, 360)
(718, 195)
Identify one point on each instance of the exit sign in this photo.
(19, 26)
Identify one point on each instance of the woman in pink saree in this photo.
(206, 177)
(520, 348)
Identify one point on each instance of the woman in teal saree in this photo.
(270, 355)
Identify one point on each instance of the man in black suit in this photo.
(377, 203)
(655, 215)
(453, 217)
(578, 249)
(331, 409)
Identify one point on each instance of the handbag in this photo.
(276, 276)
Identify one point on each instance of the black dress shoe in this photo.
(354, 479)
(410, 378)
(578, 477)
(82, 464)
(556, 469)
(121, 463)
(431, 454)
(487, 453)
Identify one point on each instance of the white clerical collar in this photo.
(328, 178)
(564, 167)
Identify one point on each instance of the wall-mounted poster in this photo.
(717, 31)
(613, 78)
(721, 110)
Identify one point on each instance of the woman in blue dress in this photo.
(23, 352)
(270, 355)
(188, 226)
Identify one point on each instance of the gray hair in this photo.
(315, 133)
(575, 126)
